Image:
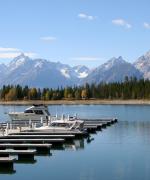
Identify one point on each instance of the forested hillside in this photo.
(129, 89)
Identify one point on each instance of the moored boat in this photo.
(33, 113)
(62, 125)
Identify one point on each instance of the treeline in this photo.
(129, 89)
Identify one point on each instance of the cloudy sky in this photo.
(74, 31)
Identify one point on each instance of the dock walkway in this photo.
(38, 147)
(22, 154)
(21, 136)
(31, 140)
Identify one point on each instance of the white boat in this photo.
(62, 126)
(33, 113)
(40, 115)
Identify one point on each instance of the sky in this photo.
(86, 32)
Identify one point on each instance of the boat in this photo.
(39, 116)
(62, 125)
(33, 113)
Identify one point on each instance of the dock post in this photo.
(30, 124)
(76, 115)
(46, 120)
(56, 116)
(42, 120)
(62, 117)
(20, 128)
(49, 120)
(3, 131)
(10, 125)
(6, 131)
(33, 125)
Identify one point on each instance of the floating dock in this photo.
(20, 139)
(7, 165)
(22, 154)
(52, 141)
(35, 136)
(51, 132)
(38, 147)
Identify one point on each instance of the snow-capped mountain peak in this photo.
(113, 70)
(21, 58)
(113, 61)
(143, 64)
(43, 73)
(18, 61)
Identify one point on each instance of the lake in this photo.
(119, 152)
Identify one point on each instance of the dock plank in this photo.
(7, 159)
(41, 136)
(14, 152)
(32, 140)
(25, 145)
(48, 133)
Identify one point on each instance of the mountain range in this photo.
(43, 73)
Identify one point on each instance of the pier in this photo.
(7, 164)
(21, 139)
(38, 147)
(35, 136)
(22, 154)
(40, 140)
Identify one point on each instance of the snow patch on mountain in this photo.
(82, 75)
(81, 71)
(65, 73)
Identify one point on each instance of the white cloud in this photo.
(86, 16)
(31, 54)
(3, 49)
(86, 58)
(11, 55)
(48, 38)
(121, 22)
(146, 25)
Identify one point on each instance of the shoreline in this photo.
(78, 102)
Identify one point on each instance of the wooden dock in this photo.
(40, 140)
(35, 136)
(102, 120)
(38, 147)
(22, 154)
(23, 140)
(39, 133)
(7, 162)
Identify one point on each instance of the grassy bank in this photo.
(76, 102)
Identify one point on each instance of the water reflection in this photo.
(26, 161)
(77, 144)
(89, 139)
(7, 171)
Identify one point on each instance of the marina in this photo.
(74, 90)
(29, 137)
(113, 147)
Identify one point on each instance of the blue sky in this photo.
(74, 31)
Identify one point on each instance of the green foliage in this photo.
(131, 88)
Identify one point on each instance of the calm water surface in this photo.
(119, 152)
